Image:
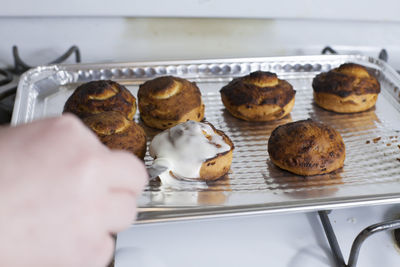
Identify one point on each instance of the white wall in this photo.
(136, 39)
(373, 10)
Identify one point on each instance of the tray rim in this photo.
(175, 214)
(31, 75)
(166, 214)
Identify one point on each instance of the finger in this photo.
(119, 211)
(102, 252)
(78, 131)
(67, 129)
(125, 172)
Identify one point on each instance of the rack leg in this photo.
(361, 237)
(367, 232)
(330, 234)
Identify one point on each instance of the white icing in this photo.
(184, 148)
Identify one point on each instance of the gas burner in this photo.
(9, 79)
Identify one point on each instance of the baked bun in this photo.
(346, 89)
(306, 148)
(167, 101)
(216, 167)
(117, 132)
(259, 96)
(193, 150)
(99, 96)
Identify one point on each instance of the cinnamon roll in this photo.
(259, 96)
(117, 132)
(306, 148)
(193, 150)
(167, 101)
(100, 96)
(346, 89)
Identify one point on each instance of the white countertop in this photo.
(289, 240)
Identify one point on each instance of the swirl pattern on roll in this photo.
(259, 96)
(346, 89)
(167, 101)
(306, 147)
(117, 132)
(99, 96)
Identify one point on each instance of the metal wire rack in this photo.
(393, 225)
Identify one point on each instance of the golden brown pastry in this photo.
(193, 150)
(99, 96)
(218, 166)
(117, 132)
(306, 148)
(167, 101)
(259, 96)
(346, 89)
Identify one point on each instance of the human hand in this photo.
(62, 194)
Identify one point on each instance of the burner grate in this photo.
(383, 54)
(20, 66)
(7, 77)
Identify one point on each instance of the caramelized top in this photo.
(108, 123)
(306, 144)
(259, 88)
(347, 79)
(168, 97)
(99, 96)
(117, 132)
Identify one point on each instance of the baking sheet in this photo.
(371, 174)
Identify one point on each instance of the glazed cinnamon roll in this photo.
(193, 150)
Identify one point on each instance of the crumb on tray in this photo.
(376, 140)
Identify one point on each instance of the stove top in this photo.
(9, 80)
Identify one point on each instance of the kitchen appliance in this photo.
(43, 91)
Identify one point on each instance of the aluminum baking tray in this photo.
(371, 174)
